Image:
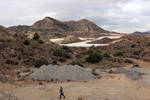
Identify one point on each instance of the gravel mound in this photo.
(64, 73)
(4, 96)
(121, 70)
(133, 74)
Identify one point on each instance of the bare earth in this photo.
(110, 87)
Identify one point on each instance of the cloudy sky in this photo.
(113, 15)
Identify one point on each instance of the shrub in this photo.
(36, 36)
(58, 52)
(118, 53)
(26, 42)
(41, 41)
(38, 63)
(94, 58)
(133, 46)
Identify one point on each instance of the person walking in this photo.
(61, 93)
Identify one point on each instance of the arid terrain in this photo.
(109, 87)
(53, 43)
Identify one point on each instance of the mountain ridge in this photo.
(53, 28)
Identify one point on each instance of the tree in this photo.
(36, 36)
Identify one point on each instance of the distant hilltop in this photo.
(52, 28)
(137, 32)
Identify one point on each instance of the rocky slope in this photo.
(5, 34)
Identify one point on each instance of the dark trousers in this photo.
(62, 94)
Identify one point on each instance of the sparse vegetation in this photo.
(75, 63)
(66, 55)
(136, 52)
(106, 54)
(62, 59)
(118, 53)
(61, 53)
(58, 52)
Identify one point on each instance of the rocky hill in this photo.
(5, 34)
(19, 28)
(50, 28)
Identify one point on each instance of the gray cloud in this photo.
(112, 15)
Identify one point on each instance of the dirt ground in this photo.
(109, 87)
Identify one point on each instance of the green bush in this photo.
(133, 46)
(94, 58)
(41, 41)
(26, 42)
(118, 53)
(38, 63)
(58, 52)
(36, 36)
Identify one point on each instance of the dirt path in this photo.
(142, 64)
(116, 88)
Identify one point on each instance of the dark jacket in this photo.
(61, 90)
